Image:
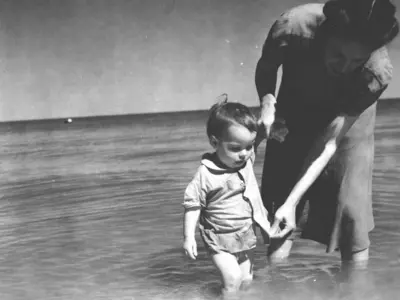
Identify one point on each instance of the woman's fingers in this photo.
(279, 131)
(275, 227)
(194, 251)
(284, 232)
(277, 232)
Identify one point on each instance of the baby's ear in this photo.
(222, 99)
(213, 141)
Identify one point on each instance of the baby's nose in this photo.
(243, 154)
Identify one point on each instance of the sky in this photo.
(71, 58)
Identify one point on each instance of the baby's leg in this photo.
(246, 263)
(230, 271)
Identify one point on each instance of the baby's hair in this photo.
(224, 114)
(370, 21)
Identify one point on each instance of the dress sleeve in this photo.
(373, 81)
(272, 57)
(195, 193)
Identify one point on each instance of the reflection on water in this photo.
(92, 210)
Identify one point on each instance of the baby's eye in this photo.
(235, 149)
(248, 148)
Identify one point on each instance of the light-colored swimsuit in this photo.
(230, 203)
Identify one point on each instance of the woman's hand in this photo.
(285, 216)
(270, 126)
(190, 247)
(279, 130)
(267, 116)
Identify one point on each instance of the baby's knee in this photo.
(246, 282)
(247, 278)
(233, 281)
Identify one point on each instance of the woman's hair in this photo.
(370, 21)
(224, 114)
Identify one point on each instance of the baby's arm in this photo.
(190, 219)
(193, 201)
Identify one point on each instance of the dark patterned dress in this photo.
(337, 209)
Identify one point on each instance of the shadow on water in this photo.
(171, 268)
(302, 276)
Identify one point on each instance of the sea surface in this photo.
(92, 210)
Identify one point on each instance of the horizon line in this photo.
(135, 114)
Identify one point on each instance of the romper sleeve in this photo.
(373, 81)
(195, 193)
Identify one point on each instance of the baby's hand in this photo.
(190, 247)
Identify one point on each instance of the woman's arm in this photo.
(266, 73)
(372, 83)
(271, 59)
(326, 145)
(319, 156)
(266, 77)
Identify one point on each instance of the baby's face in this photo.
(236, 146)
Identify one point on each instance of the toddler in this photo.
(224, 195)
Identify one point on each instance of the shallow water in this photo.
(92, 210)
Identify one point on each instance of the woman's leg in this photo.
(340, 213)
(358, 257)
(230, 271)
(351, 171)
(279, 250)
(280, 173)
(355, 197)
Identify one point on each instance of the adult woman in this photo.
(335, 67)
